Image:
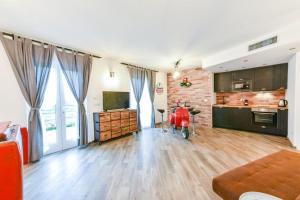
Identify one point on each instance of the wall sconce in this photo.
(112, 74)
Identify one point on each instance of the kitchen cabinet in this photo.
(223, 82)
(234, 118)
(243, 75)
(280, 73)
(222, 117)
(241, 119)
(267, 78)
(282, 121)
(263, 79)
(271, 78)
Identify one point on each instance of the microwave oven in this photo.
(245, 85)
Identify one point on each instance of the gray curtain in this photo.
(151, 80)
(137, 77)
(77, 70)
(31, 65)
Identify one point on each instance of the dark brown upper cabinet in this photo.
(280, 76)
(243, 75)
(263, 79)
(270, 78)
(223, 82)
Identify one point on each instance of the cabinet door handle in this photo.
(263, 88)
(263, 127)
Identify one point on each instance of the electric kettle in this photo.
(282, 103)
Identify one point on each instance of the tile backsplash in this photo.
(254, 98)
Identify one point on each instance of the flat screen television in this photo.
(115, 100)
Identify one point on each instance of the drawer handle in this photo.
(263, 127)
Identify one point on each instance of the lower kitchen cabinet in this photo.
(234, 118)
(282, 122)
(222, 117)
(242, 119)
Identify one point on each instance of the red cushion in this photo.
(10, 171)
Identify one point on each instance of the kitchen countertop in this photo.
(249, 106)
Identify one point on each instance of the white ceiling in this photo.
(278, 55)
(153, 33)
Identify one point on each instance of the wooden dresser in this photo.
(113, 124)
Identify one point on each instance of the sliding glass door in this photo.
(59, 114)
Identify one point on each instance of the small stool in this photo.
(161, 111)
(193, 113)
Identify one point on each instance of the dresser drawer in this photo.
(132, 114)
(132, 122)
(125, 115)
(133, 128)
(124, 122)
(116, 132)
(125, 130)
(106, 135)
(115, 124)
(104, 117)
(104, 126)
(115, 115)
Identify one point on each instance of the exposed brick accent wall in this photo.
(199, 95)
(254, 98)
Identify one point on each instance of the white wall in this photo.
(14, 108)
(286, 35)
(293, 95)
(160, 100)
(12, 103)
(100, 81)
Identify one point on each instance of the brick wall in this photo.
(199, 95)
(254, 98)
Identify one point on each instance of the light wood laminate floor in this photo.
(151, 165)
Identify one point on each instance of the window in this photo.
(145, 106)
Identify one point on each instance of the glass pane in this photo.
(48, 113)
(71, 113)
(145, 106)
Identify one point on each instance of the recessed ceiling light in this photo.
(221, 67)
(243, 67)
(246, 60)
(293, 48)
(264, 64)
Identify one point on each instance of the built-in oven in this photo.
(243, 85)
(264, 117)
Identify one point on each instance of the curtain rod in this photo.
(130, 65)
(59, 47)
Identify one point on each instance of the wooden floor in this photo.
(151, 165)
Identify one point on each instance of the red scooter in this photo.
(179, 117)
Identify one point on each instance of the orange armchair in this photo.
(11, 180)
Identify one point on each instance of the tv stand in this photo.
(114, 124)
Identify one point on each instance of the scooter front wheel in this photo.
(185, 133)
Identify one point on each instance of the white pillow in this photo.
(257, 196)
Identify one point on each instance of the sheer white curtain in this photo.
(145, 106)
